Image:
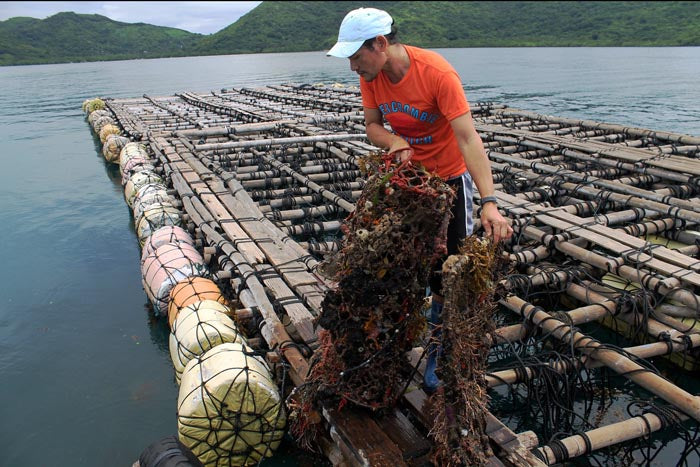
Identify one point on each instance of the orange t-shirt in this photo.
(419, 109)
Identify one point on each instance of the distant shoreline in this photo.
(289, 27)
(324, 50)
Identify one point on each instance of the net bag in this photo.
(198, 328)
(166, 266)
(229, 410)
(192, 290)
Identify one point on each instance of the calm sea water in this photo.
(85, 376)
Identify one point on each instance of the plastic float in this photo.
(190, 291)
(198, 328)
(229, 410)
(166, 266)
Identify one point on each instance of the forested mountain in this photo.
(70, 37)
(297, 26)
(304, 26)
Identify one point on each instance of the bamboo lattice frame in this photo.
(267, 175)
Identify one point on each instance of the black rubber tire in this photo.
(168, 452)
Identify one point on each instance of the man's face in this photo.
(367, 62)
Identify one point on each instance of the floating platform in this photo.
(605, 219)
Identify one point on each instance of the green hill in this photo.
(70, 37)
(298, 26)
(305, 26)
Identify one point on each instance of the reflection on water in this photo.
(85, 370)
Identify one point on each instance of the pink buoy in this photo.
(163, 235)
(165, 267)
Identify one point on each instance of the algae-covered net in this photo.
(374, 315)
(469, 281)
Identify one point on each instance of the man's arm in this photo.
(381, 137)
(479, 167)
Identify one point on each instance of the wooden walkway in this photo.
(265, 177)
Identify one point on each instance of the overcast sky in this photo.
(201, 17)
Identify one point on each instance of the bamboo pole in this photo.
(262, 195)
(311, 164)
(312, 103)
(630, 248)
(237, 113)
(665, 286)
(615, 433)
(612, 185)
(622, 365)
(272, 330)
(637, 132)
(281, 168)
(595, 193)
(313, 228)
(279, 141)
(657, 324)
(644, 351)
(258, 102)
(305, 181)
(304, 213)
(174, 112)
(248, 128)
(321, 247)
(599, 159)
(350, 175)
(290, 201)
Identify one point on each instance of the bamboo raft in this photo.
(605, 219)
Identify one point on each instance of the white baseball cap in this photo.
(358, 26)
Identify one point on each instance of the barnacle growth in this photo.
(469, 282)
(374, 315)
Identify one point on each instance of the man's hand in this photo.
(401, 151)
(495, 225)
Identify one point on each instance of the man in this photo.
(421, 96)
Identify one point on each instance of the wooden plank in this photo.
(367, 442)
(299, 315)
(504, 440)
(512, 449)
(399, 428)
(218, 212)
(246, 212)
(313, 295)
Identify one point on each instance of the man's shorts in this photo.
(461, 224)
